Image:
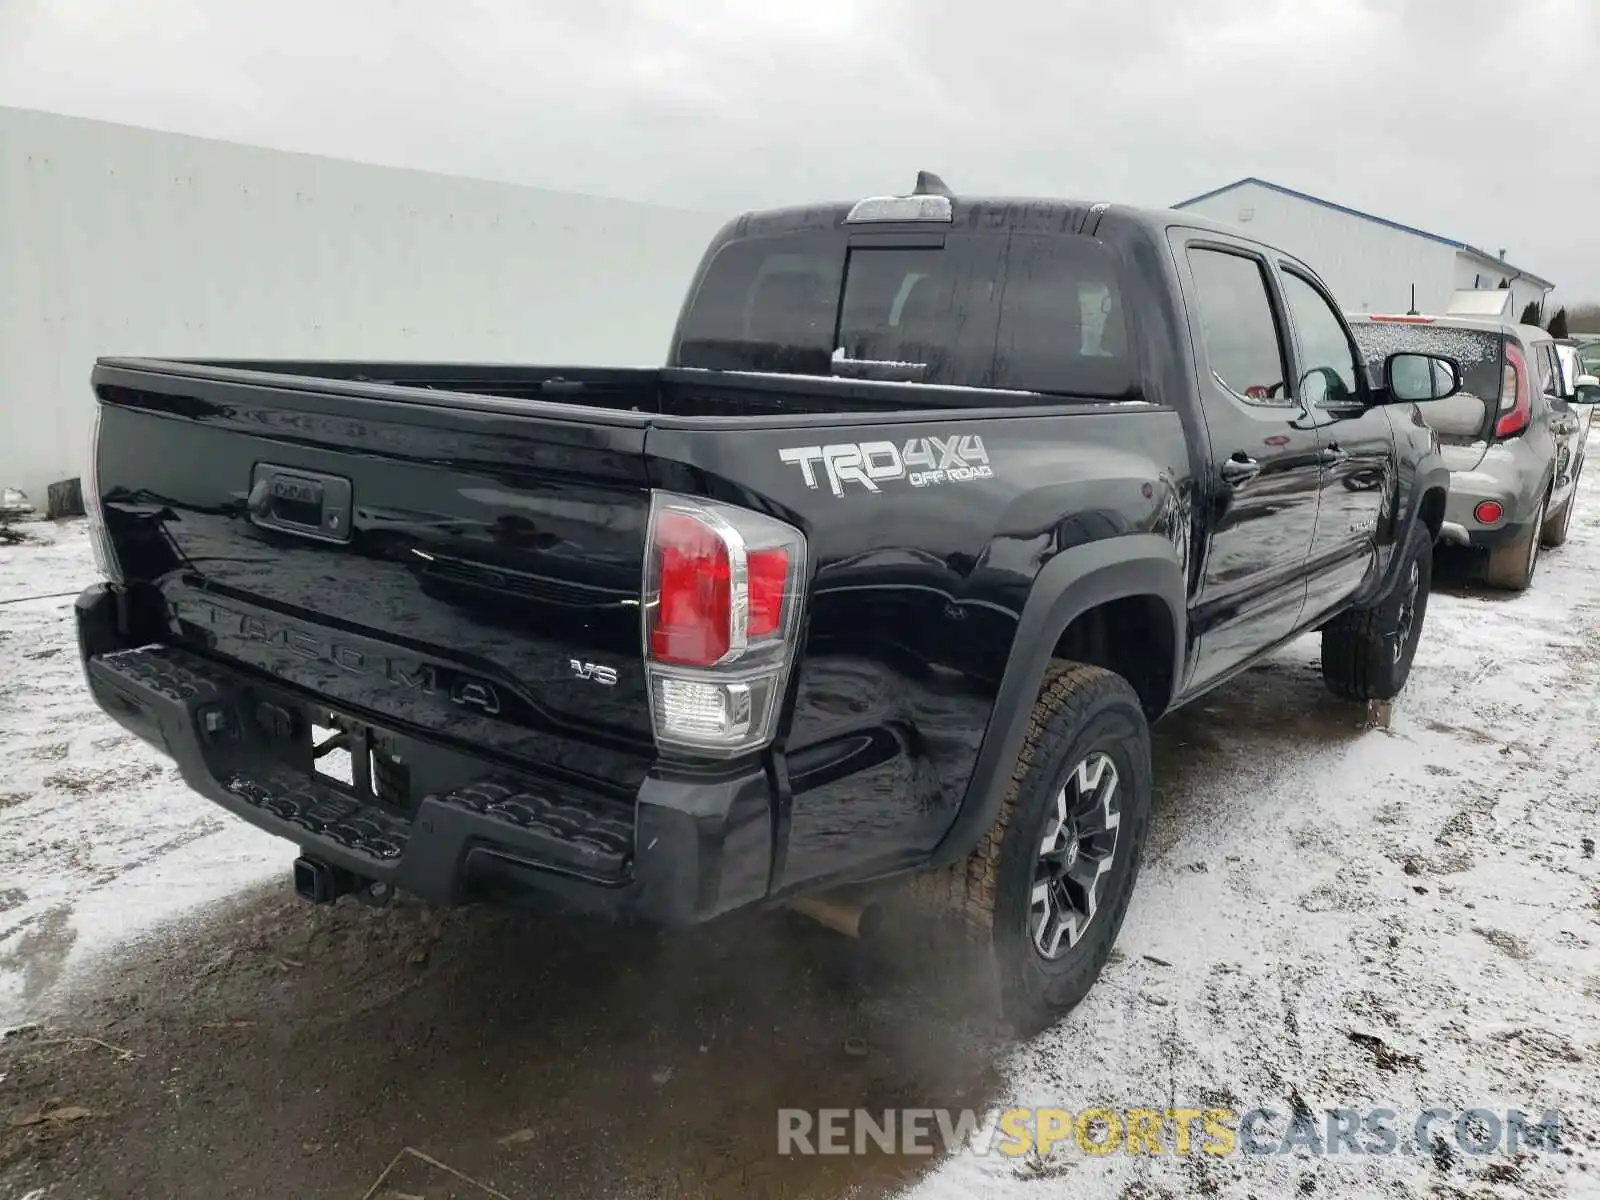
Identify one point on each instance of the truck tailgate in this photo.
(473, 572)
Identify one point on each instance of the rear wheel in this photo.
(1511, 566)
(1367, 652)
(1049, 885)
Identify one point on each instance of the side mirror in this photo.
(1586, 390)
(1414, 378)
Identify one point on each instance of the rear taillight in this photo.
(722, 595)
(105, 556)
(1516, 396)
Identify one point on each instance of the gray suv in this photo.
(1513, 437)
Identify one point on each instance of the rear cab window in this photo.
(1004, 310)
(1469, 414)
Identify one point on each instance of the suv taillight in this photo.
(105, 556)
(722, 595)
(1517, 413)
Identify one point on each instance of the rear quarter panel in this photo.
(916, 592)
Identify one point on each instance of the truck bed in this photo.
(612, 395)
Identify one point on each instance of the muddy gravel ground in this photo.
(1339, 908)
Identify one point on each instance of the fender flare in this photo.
(1436, 477)
(1069, 585)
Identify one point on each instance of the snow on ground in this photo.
(99, 838)
(1433, 886)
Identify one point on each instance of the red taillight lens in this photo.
(1488, 513)
(722, 592)
(769, 578)
(1519, 415)
(691, 622)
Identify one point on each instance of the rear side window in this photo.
(1549, 370)
(1464, 416)
(1017, 311)
(1238, 326)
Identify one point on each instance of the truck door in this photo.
(1263, 468)
(1356, 446)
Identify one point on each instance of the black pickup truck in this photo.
(876, 585)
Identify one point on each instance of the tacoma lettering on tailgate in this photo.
(367, 659)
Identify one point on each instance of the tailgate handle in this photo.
(306, 503)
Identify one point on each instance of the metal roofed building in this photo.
(1370, 262)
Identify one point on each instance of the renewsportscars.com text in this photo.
(1180, 1131)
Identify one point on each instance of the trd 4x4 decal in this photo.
(923, 461)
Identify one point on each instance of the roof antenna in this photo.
(929, 184)
(1413, 311)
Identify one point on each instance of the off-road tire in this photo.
(1511, 566)
(1556, 526)
(1359, 648)
(1081, 711)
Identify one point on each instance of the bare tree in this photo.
(1584, 318)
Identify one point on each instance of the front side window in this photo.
(1237, 325)
(1327, 364)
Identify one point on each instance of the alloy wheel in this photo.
(1408, 612)
(1076, 851)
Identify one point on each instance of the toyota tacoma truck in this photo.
(877, 584)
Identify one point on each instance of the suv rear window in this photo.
(1030, 312)
(1464, 416)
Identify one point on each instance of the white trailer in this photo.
(116, 240)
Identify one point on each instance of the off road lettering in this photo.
(921, 461)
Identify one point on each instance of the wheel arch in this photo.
(1431, 509)
(1426, 502)
(1083, 605)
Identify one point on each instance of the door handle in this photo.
(1239, 468)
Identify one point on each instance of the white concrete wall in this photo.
(1370, 267)
(1488, 275)
(116, 240)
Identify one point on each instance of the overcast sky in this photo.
(1471, 118)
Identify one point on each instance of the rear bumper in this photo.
(1481, 537)
(678, 852)
(1508, 478)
